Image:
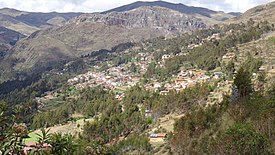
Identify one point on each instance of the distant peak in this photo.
(235, 13)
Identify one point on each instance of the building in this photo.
(158, 135)
(164, 92)
(165, 56)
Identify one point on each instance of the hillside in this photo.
(7, 39)
(4, 47)
(16, 25)
(45, 20)
(258, 13)
(29, 22)
(10, 36)
(145, 78)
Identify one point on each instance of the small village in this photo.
(113, 78)
(120, 78)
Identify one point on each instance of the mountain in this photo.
(29, 22)
(190, 10)
(15, 25)
(12, 12)
(86, 33)
(42, 20)
(146, 17)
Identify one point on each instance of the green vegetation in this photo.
(13, 135)
(137, 143)
(243, 82)
(272, 39)
(208, 55)
(248, 129)
(242, 123)
(242, 139)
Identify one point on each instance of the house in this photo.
(180, 80)
(165, 56)
(148, 113)
(108, 77)
(49, 95)
(204, 78)
(157, 85)
(191, 83)
(158, 135)
(161, 135)
(218, 74)
(228, 57)
(184, 85)
(216, 36)
(183, 74)
(262, 68)
(164, 92)
(141, 54)
(120, 96)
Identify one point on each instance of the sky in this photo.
(103, 5)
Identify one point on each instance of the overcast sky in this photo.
(102, 5)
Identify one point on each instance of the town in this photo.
(120, 78)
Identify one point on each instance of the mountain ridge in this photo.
(178, 7)
(96, 31)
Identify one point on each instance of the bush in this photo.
(241, 139)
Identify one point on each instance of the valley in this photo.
(143, 78)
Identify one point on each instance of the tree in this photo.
(62, 144)
(243, 82)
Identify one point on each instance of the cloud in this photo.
(101, 5)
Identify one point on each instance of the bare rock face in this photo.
(146, 17)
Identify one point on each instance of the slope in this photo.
(7, 39)
(258, 13)
(16, 25)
